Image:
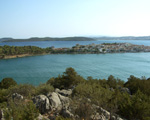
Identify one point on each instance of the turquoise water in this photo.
(58, 44)
(38, 69)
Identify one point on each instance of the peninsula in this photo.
(7, 52)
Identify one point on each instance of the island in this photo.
(77, 38)
(47, 39)
(22, 51)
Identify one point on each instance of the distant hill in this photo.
(123, 38)
(5, 39)
(76, 38)
(47, 39)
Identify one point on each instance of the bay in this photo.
(38, 69)
(58, 44)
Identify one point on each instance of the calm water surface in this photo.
(58, 44)
(38, 69)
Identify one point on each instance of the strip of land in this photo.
(7, 52)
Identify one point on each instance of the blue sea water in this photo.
(57, 44)
(38, 69)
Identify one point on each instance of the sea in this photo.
(36, 70)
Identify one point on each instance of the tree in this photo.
(112, 82)
(7, 82)
(136, 107)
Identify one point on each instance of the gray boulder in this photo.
(125, 90)
(66, 113)
(97, 116)
(55, 102)
(17, 96)
(64, 92)
(41, 117)
(42, 103)
(105, 113)
(65, 101)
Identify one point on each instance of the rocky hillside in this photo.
(71, 97)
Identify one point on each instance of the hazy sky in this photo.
(60, 18)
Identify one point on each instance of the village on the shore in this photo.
(103, 48)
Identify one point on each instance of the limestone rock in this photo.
(42, 103)
(17, 96)
(124, 89)
(41, 117)
(54, 100)
(66, 113)
(64, 100)
(65, 92)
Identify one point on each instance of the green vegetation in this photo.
(111, 94)
(7, 82)
(21, 111)
(18, 50)
(69, 79)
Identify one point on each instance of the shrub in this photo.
(135, 84)
(24, 89)
(84, 109)
(94, 92)
(7, 82)
(69, 79)
(3, 95)
(21, 111)
(44, 89)
(136, 107)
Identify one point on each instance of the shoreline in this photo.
(28, 55)
(20, 56)
(9, 52)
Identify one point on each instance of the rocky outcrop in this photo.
(66, 113)
(41, 117)
(17, 96)
(65, 101)
(64, 92)
(55, 102)
(42, 103)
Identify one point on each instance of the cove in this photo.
(38, 69)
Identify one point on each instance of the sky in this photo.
(65, 18)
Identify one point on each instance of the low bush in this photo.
(44, 89)
(7, 82)
(69, 79)
(21, 111)
(94, 92)
(23, 89)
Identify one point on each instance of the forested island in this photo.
(74, 38)
(22, 51)
(47, 39)
(72, 97)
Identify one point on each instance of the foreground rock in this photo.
(56, 103)
(64, 92)
(103, 114)
(42, 103)
(17, 96)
